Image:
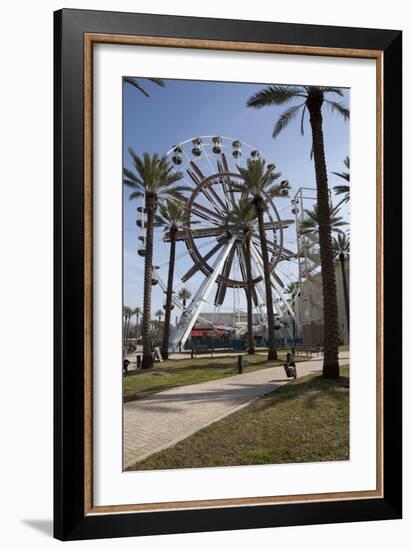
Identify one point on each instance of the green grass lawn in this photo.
(170, 374)
(306, 420)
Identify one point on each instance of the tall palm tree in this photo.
(341, 248)
(240, 220)
(127, 313)
(153, 179)
(172, 216)
(343, 189)
(310, 224)
(259, 182)
(136, 84)
(159, 315)
(137, 311)
(312, 99)
(184, 295)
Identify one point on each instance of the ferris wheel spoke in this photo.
(226, 186)
(197, 177)
(274, 248)
(195, 268)
(196, 207)
(287, 205)
(186, 252)
(222, 287)
(198, 233)
(203, 216)
(287, 276)
(276, 224)
(259, 263)
(241, 251)
(203, 232)
(198, 174)
(215, 195)
(273, 251)
(193, 177)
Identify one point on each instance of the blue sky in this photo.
(186, 109)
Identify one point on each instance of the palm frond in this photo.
(339, 108)
(174, 194)
(130, 179)
(310, 225)
(341, 189)
(133, 82)
(135, 195)
(343, 175)
(285, 118)
(274, 95)
(302, 132)
(157, 81)
(332, 90)
(341, 245)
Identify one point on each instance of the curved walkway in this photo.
(162, 420)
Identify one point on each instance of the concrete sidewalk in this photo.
(162, 420)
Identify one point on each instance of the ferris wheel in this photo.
(211, 261)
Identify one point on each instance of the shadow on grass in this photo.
(309, 389)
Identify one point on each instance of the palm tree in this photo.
(341, 248)
(172, 216)
(240, 220)
(311, 99)
(127, 313)
(310, 225)
(136, 84)
(184, 295)
(154, 180)
(258, 181)
(137, 311)
(343, 189)
(159, 315)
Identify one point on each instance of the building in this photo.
(309, 307)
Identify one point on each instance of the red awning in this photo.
(208, 332)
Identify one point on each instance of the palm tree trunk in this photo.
(137, 328)
(169, 293)
(147, 360)
(345, 287)
(330, 305)
(272, 353)
(127, 328)
(249, 292)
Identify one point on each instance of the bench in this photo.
(309, 352)
(202, 348)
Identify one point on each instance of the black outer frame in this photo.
(70, 522)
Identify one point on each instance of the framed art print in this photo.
(227, 274)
